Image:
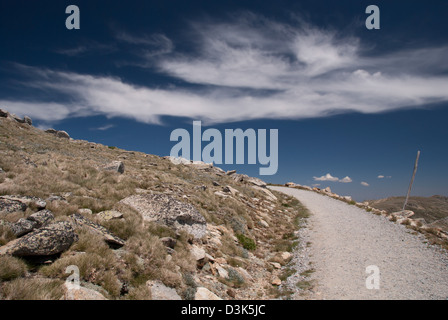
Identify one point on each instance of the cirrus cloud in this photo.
(245, 69)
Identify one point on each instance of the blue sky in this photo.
(348, 102)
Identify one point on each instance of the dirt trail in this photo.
(346, 240)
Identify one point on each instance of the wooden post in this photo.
(412, 180)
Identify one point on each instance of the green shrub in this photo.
(246, 242)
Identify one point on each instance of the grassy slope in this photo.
(39, 164)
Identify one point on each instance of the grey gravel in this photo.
(346, 239)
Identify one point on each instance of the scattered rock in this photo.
(404, 214)
(247, 277)
(16, 118)
(80, 293)
(221, 194)
(109, 215)
(216, 184)
(286, 255)
(46, 241)
(62, 134)
(3, 113)
(276, 265)
(28, 120)
(41, 218)
(9, 206)
(230, 172)
(94, 227)
(222, 272)
(85, 211)
(164, 208)
(276, 281)
(58, 133)
(269, 195)
(263, 223)
(116, 166)
(22, 227)
(231, 190)
(205, 294)
(197, 252)
(27, 200)
(161, 292)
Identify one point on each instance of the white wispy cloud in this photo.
(327, 177)
(365, 184)
(384, 177)
(104, 128)
(347, 179)
(249, 68)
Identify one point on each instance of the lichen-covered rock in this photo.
(163, 208)
(27, 200)
(46, 241)
(41, 218)
(109, 215)
(9, 206)
(22, 226)
(96, 228)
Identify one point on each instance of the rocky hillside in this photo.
(431, 210)
(135, 225)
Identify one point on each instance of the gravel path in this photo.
(345, 240)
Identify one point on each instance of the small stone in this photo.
(205, 294)
(161, 292)
(276, 265)
(216, 184)
(286, 255)
(117, 166)
(109, 215)
(263, 223)
(222, 272)
(231, 293)
(80, 293)
(221, 194)
(85, 211)
(276, 282)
